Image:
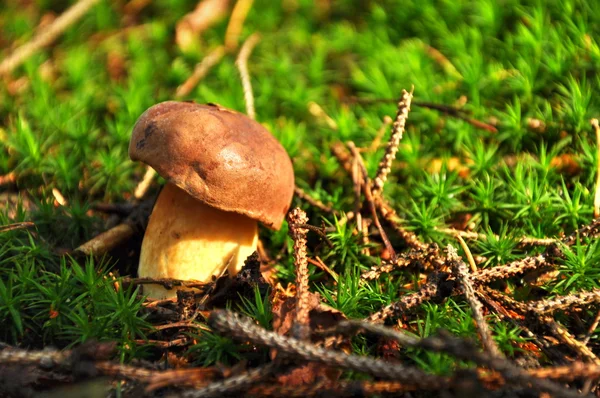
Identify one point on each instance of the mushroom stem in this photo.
(187, 239)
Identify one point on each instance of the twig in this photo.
(468, 253)
(144, 185)
(300, 193)
(461, 349)
(511, 269)
(448, 110)
(460, 269)
(580, 299)
(389, 214)
(107, 240)
(596, 127)
(47, 36)
(428, 258)
(233, 384)
(319, 263)
(182, 324)
(592, 328)
(298, 234)
(319, 230)
(169, 283)
(236, 22)
(200, 71)
(242, 328)
(558, 330)
(317, 111)
(366, 187)
(392, 148)
(242, 64)
(411, 301)
(387, 122)
(524, 241)
(17, 225)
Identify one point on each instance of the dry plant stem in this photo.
(524, 241)
(468, 253)
(448, 110)
(332, 389)
(200, 71)
(242, 328)
(563, 334)
(298, 235)
(389, 214)
(233, 384)
(459, 348)
(319, 113)
(366, 188)
(387, 122)
(15, 226)
(242, 64)
(409, 301)
(47, 36)
(485, 294)
(142, 188)
(392, 148)
(558, 330)
(169, 283)
(514, 268)
(596, 126)
(429, 258)
(581, 299)
(592, 328)
(300, 193)
(236, 22)
(107, 240)
(461, 271)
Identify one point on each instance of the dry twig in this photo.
(236, 22)
(242, 64)
(298, 234)
(409, 302)
(200, 71)
(580, 299)
(300, 193)
(392, 148)
(460, 269)
(46, 36)
(242, 328)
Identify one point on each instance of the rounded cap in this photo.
(218, 156)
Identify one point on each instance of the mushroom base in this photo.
(189, 240)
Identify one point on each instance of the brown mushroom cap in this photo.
(219, 156)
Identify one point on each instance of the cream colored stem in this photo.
(187, 239)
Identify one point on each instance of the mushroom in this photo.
(225, 172)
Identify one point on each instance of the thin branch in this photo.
(460, 269)
(242, 64)
(142, 188)
(169, 283)
(392, 148)
(233, 384)
(366, 187)
(411, 301)
(200, 71)
(46, 36)
(298, 235)
(236, 22)
(242, 328)
(300, 193)
(580, 299)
